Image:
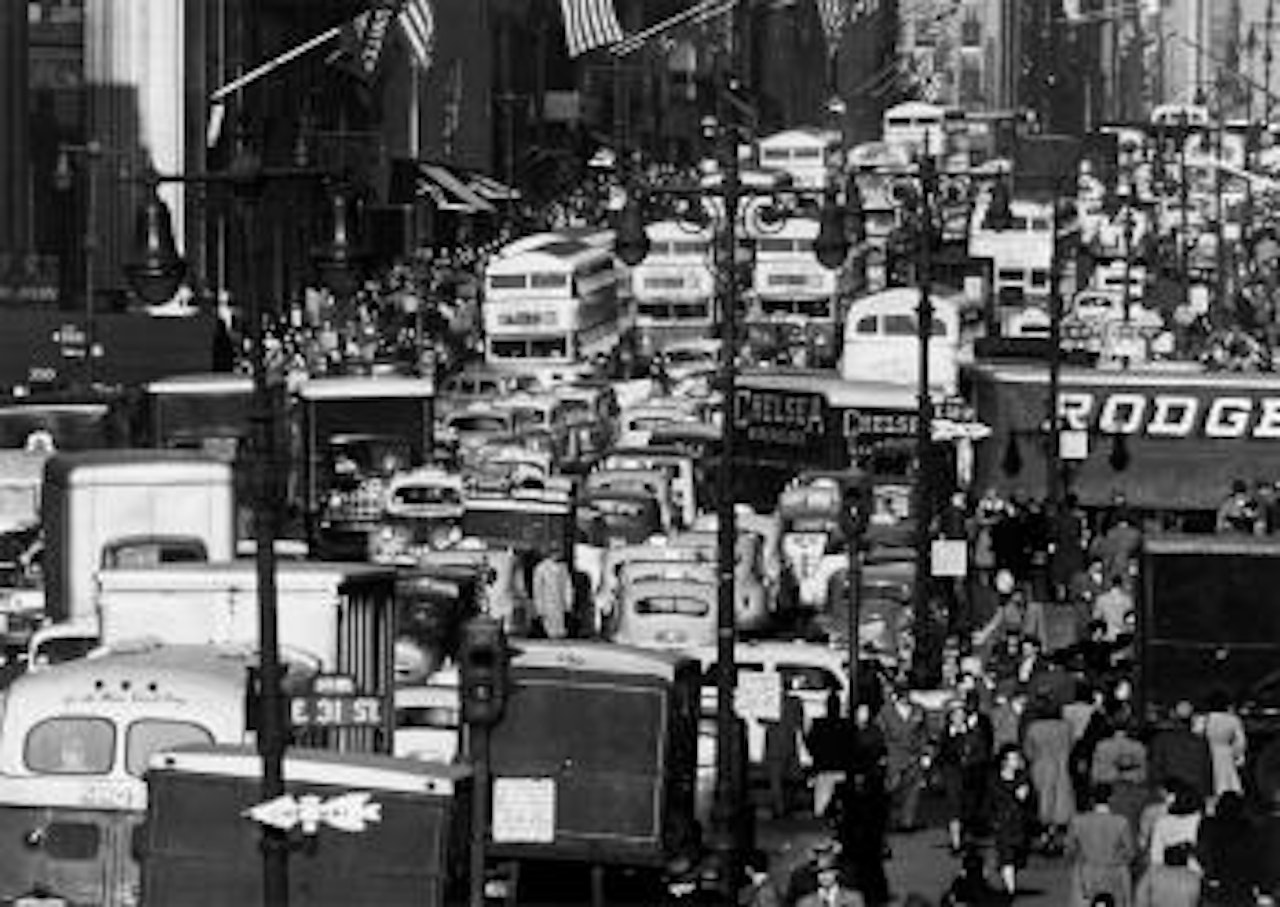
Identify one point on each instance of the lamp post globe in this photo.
(157, 271)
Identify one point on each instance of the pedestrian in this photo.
(906, 737)
(1179, 753)
(1179, 825)
(1009, 718)
(1047, 744)
(1225, 849)
(1171, 882)
(803, 878)
(828, 740)
(1100, 847)
(1121, 761)
(832, 890)
(760, 889)
(552, 596)
(1113, 607)
(1228, 744)
(964, 759)
(782, 750)
(864, 808)
(970, 887)
(1012, 809)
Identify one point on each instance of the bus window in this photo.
(672, 604)
(899, 326)
(71, 746)
(866, 324)
(507, 282)
(150, 736)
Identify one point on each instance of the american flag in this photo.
(365, 36)
(834, 14)
(589, 24)
(418, 25)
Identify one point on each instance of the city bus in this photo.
(881, 339)
(1020, 253)
(75, 742)
(795, 310)
(808, 156)
(673, 289)
(916, 127)
(551, 304)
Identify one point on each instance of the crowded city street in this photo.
(573, 453)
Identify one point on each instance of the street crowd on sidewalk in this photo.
(1027, 736)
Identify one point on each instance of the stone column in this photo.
(15, 175)
(135, 75)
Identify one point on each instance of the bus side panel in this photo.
(82, 856)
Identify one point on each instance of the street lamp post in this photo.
(831, 247)
(155, 274)
(92, 152)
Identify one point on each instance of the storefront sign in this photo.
(1173, 415)
(781, 418)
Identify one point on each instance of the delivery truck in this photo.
(115, 508)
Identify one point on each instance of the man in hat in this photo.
(803, 880)
(831, 890)
(1180, 754)
(906, 738)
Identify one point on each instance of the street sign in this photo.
(333, 701)
(352, 812)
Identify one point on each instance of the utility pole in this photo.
(1267, 31)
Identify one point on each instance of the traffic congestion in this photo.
(999, 580)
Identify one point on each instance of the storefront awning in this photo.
(449, 192)
(1187, 435)
(490, 189)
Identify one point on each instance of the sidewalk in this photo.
(921, 863)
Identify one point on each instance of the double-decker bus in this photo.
(551, 304)
(808, 156)
(796, 308)
(673, 289)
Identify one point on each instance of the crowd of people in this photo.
(1037, 748)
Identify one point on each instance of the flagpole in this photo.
(694, 14)
(274, 63)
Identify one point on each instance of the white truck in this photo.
(129, 508)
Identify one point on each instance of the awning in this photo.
(448, 192)
(490, 189)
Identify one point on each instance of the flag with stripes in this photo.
(589, 24)
(363, 39)
(418, 25)
(834, 15)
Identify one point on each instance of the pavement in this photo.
(921, 862)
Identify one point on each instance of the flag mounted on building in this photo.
(418, 25)
(834, 15)
(589, 24)
(364, 39)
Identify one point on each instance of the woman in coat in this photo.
(1227, 744)
(1047, 744)
(964, 760)
(1013, 810)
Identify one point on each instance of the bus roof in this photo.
(202, 383)
(592, 656)
(183, 675)
(1226, 544)
(562, 255)
(675, 230)
(366, 387)
(354, 771)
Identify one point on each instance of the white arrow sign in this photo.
(349, 812)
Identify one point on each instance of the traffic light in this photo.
(856, 507)
(483, 671)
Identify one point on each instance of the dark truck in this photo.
(1208, 619)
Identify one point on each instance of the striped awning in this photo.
(489, 188)
(449, 192)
